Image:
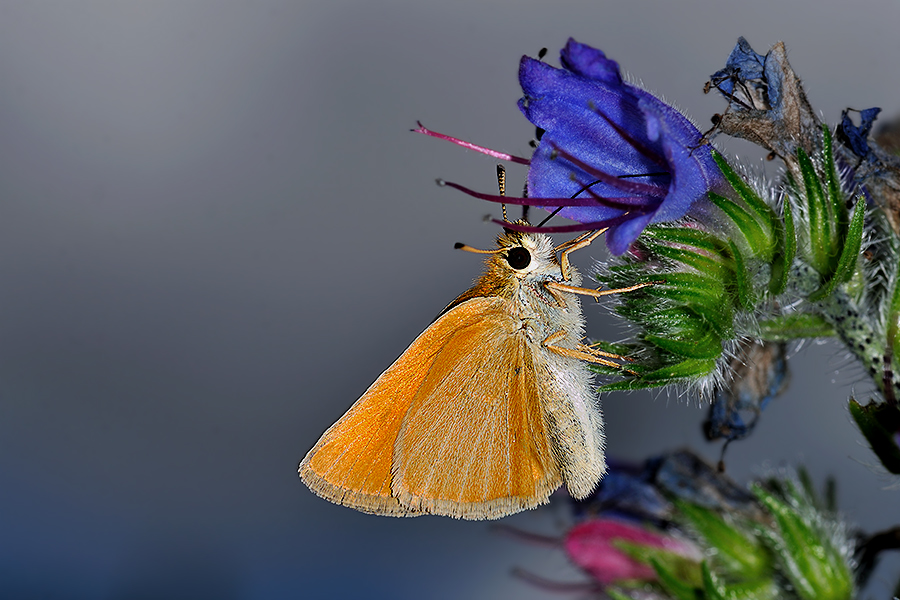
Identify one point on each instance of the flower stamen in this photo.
(611, 222)
(592, 201)
(635, 143)
(498, 155)
(641, 189)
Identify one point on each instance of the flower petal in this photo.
(590, 62)
(562, 103)
(743, 64)
(619, 238)
(694, 172)
(857, 138)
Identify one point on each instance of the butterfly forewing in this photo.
(351, 463)
(474, 442)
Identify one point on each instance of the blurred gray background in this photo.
(216, 230)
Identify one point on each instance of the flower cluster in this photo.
(732, 265)
(676, 528)
(739, 270)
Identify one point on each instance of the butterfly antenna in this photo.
(501, 183)
(468, 248)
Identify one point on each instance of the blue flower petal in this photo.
(613, 138)
(857, 138)
(565, 105)
(620, 237)
(590, 62)
(743, 64)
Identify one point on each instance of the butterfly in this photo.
(489, 410)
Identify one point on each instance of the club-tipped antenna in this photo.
(468, 248)
(501, 184)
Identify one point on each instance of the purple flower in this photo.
(610, 154)
(857, 138)
(636, 157)
(767, 104)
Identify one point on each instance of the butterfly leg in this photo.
(582, 352)
(590, 348)
(581, 241)
(580, 238)
(553, 287)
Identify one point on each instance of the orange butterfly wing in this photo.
(351, 463)
(474, 443)
(456, 431)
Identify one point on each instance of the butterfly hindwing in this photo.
(474, 442)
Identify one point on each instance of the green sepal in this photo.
(670, 582)
(690, 369)
(814, 567)
(794, 327)
(763, 211)
(738, 554)
(707, 297)
(610, 371)
(799, 496)
(821, 235)
(828, 502)
(682, 332)
(879, 423)
(713, 588)
(746, 297)
(761, 242)
(616, 594)
(781, 266)
(707, 347)
(747, 589)
(683, 568)
(686, 236)
(808, 488)
(703, 263)
(847, 262)
(833, 183)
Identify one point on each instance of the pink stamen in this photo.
(498, 155)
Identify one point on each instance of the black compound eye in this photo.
(518, 258)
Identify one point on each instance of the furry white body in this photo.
(572, 408)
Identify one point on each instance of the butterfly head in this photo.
(525, 256)
(521, 261)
